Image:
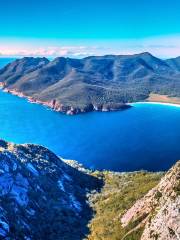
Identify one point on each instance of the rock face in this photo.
(41, 197)
(158, 211)
(101, 83)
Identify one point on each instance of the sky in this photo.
(78, 28)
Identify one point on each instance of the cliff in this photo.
(158, 211)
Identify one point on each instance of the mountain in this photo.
(174, 63)
(158, 212)
(41, 197)
(92, 83)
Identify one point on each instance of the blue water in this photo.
(146, 136)
(143, 137)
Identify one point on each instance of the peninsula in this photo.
(95, 83)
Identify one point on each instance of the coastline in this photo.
(69, 110)
(160, 100)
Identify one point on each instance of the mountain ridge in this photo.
(41, 197)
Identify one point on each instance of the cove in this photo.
(146, 136)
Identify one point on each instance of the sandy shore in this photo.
(157, 103)
(163, 99)
(160, 99)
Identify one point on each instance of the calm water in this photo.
(146, 136)
(143, 137)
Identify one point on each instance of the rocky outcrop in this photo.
(158, 211)
(68, 109)
(41, 197)
(103, 83)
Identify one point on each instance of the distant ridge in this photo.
(100, 83)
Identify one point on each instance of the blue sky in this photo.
(74, 27)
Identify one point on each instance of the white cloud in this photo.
(164, 47)
(75, 51)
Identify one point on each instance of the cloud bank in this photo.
(164, 47)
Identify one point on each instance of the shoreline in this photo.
(157, 103)
(68, 110)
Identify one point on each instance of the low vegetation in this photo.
(119, 193)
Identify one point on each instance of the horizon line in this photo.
(81, 57)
